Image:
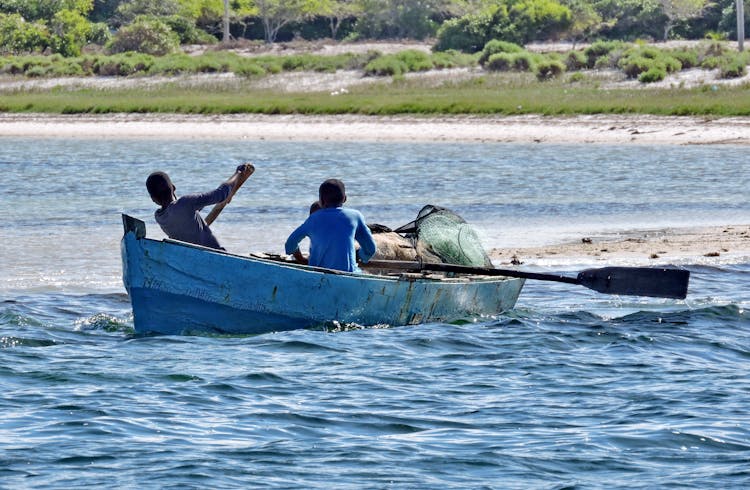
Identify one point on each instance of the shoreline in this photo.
(705, 245)
(588, 129)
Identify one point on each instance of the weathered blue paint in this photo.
(177, 288)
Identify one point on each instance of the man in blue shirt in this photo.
(179, 217)
(332, 232)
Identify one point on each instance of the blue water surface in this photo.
(571, 389)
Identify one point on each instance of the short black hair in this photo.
(332, 192)
(314, 207)
(160, 186)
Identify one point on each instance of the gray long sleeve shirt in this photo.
(181, 220)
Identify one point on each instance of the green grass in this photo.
(509, 92)
(490, 94)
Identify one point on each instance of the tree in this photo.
(680, 10)
(741, 25)
(19, 36)
(399, 18)
(129, 10)
(32, 10)
(147, 35)
(630, 19)
(70, 31)
(337, 11)
(538, 20)
(586, 21)
(275, 14)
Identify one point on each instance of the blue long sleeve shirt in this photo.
(181, 220)
(332, 232)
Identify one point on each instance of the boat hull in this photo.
(178, 288)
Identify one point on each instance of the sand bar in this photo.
(688, 245)
(594, 129)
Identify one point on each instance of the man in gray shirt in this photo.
(179, 217)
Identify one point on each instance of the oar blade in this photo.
(637, 281)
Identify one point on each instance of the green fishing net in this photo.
(440, 232)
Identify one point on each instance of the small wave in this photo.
(104, 322)
(722, 313)
(301, 346)
(13, 342)
(14, 319)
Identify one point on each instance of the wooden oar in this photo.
(658, 282)
(220, 206)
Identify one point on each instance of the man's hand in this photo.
(246, 168)
(299, 258)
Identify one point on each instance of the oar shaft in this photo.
(218, 208)
(633, 281)
(462, 269)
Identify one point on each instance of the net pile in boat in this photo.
(443, 236)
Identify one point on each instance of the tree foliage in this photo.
(19, 36)
(67, 26)
(147, 35)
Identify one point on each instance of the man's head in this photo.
(160, 188)
(332, 193)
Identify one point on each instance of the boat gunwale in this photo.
(396, 276)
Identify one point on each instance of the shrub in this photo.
(688, 58)
(249, 69)
(714, 48)
(123, 64)
(575, 60)
(576, 77)
(633, 66)
(642, 59)
(523, 62)
(173, 64)
(500, 62)
(145, 35)
(548, 69)
(271, 65)
(653, 74)
(712, 62)
(604, 63)
(215, 63)
(88, 64)
(733, 67)
(671, 63)
(496, 46)
(387, 65)
(415, 60)
(38, 71)
(599, 49)
(452, 58)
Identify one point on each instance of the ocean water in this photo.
(571, 389)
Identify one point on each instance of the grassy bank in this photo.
(503, 79)
(487, 94)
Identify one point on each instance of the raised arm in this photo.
(234, 182)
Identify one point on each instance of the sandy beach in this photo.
(593, 129)
(707, 244)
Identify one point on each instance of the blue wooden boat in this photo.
(178, 288)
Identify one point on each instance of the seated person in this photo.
(179, 217)
(332, 232)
